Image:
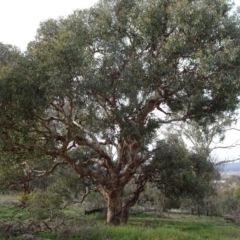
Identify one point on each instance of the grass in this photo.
(167, 231)
(6, 200)
(139, 227)
(12, 212)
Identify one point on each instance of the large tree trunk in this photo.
(117, 212)
(125, 213)
(114, 208)
(132, 200)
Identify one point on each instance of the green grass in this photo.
(148, 229)
(168, 230)
(13, 213)
(140, 227)
(47, 235)
(132, 232)
(165, 232)
(73, 212)
(9, 212)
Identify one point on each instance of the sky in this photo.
(19, 20)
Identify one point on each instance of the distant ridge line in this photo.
(230, 167)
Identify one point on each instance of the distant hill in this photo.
(229, 167)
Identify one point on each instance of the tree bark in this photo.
(125, 213)
(114, 208)
(132, 200)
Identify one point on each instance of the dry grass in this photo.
(8, 199)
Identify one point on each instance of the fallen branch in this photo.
(47, 226)
(87, 212)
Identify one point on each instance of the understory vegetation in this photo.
(73, 224)
(21, 222)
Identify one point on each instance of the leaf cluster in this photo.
(177, 172)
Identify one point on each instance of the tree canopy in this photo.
(103, 80)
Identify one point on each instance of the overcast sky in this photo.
(19, 20)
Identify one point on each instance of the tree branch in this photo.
(224, 147)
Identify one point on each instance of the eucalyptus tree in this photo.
(103, 80)
(178, 172)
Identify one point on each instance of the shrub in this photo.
(44, 204)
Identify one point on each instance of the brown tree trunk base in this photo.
(114, 208)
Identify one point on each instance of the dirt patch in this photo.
(7, 199)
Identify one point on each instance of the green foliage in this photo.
(44, 204)
(227, 201)
(236, 193)
(227, 205)
(7, 212)
(24, 197)
(231, 186)
(12, 174)
(10, 171)
(87, 90)
(186, 49)
(66, 184)
(180, 173)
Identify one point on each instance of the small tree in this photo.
(179, 172)
(96, 80)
